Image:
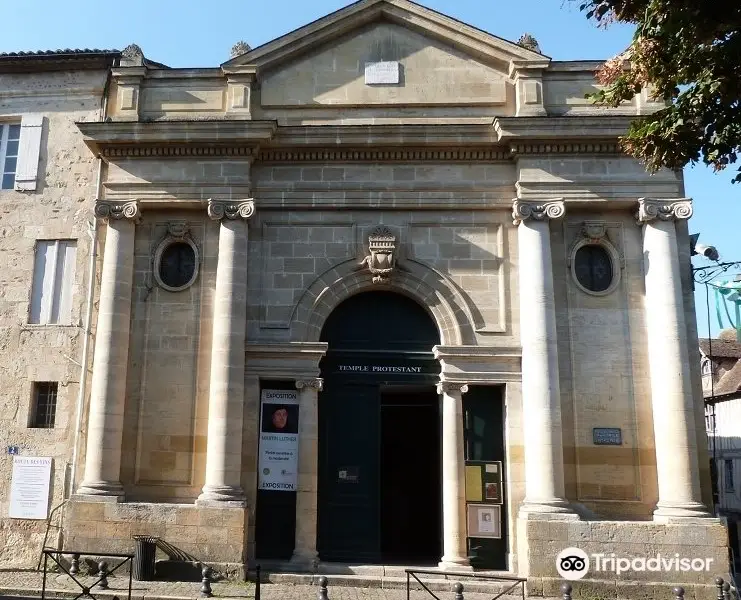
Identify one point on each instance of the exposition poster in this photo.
(278, 462)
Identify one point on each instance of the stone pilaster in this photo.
(541, 396)
(671, 389)
(108, 386)
(455, 553)
(305, 553)
(226, 389)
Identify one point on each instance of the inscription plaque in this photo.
(607, 436)
(381, 72)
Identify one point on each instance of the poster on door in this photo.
(278, 458)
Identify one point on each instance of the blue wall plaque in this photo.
(607, 436)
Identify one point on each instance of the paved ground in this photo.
(28, 584)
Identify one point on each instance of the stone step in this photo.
(435, 583)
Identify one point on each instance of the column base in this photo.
(222, 495)
(106, 491)
(304, 561)
(454, 563)
(556, 506)
(690, 510)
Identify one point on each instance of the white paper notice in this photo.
(29, 487)
(382, 72)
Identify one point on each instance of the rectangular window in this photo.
(53, 276)
(44, 404)
(728, 475)
(10, 136)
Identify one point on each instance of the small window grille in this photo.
(45, 404)
(729, 475)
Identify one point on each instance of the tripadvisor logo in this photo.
(574, 563)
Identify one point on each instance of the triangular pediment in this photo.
(479, 45)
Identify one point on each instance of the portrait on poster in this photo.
(484, 521)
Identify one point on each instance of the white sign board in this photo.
(382, 72)
(29, 487)
(278, 462)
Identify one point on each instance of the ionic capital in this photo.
(225, 209)
(522, 210)
(316, 383)
(451, 387)
(105, 209)
(650, 209)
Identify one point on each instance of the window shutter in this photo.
(28, 153)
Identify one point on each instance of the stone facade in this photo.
(488, 171)
(54, 203)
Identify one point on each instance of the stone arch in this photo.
(429, 288)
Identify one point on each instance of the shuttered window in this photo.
(53, 277)
(10, 136)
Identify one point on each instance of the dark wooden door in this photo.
(349, 527)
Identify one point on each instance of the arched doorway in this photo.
(379, 497)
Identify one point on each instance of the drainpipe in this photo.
(93, 233)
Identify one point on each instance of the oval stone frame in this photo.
(164, 245)
(615, 264)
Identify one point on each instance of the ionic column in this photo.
(108, 385)
(541, 395)
(226, 389)
(304, 552)
(671, 389)
(455, 553)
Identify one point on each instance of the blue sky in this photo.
(194, 33)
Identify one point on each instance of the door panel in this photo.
(348, 491)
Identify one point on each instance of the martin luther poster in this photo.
(278, 463)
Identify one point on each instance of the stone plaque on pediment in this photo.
(382, 72)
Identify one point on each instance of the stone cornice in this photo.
(462, 154)
(176, 138)
(226, 209)
(522, 210)
(117, 210)
(600, 128)
(650, 209)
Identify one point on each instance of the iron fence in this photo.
(100, 584)
(510, 583)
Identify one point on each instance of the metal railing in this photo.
(101, 583)
(513, 582)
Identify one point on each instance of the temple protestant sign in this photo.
(29, 487)
(378, 369)
(382, 72)
(278, 464)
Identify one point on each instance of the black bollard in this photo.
(726, 591)
(257, 582)
(103, 575)
(458, 589)
(74, 567)
(719, 585)
(678, 593)
(322, 594)
(206, 583)
(566, 591)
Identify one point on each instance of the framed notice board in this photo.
(484, 482)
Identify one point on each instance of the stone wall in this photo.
(60, 208)
(215, 536)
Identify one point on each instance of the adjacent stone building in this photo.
(384, 290)
(47, 192)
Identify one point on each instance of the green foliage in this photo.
(688, 54)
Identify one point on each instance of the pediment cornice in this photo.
(479, 44)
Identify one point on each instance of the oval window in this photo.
(177, 267)
(593, 268)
